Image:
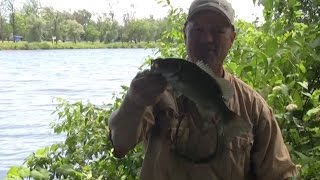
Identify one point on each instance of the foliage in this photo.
(34, 28)
(279, 59)
(92, 33)
(22, 45)
(86, 152)
(306, 11)
(74, 29)
(35, 23)
(172, 40)
(287, 67)
(108, 28)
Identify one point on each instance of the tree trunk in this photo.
(13, 24)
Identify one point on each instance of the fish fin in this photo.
(205, 68)
(225, 86)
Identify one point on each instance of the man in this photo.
(178, 145)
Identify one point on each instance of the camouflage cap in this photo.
(221, 6)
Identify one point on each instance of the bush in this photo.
(281, 62)
(86, 152)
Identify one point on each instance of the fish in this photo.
(197, 82)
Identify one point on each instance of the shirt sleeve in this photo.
(270, 156)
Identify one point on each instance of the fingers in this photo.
(158, 84)
(154, 84)
(146, 87)
(143, 73)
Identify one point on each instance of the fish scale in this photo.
(198, 83)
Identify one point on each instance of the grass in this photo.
(23, 45)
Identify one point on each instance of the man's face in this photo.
(209, 36)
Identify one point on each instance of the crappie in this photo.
(198, 83)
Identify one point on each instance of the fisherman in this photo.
(179, 145)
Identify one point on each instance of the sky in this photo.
(244, 9)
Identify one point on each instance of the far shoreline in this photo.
(48, 45)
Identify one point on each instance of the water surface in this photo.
(30, 80)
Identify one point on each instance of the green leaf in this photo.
(303, 84)
(271, 47)
(66, 169)
(302, 68)
(313, 111)
(100, 177)
(301, 155)
(284, 89)
(41, 153)
(315, 43)
(24, 172)
(13, 172)
(268, 4)
(292, 3)
(41, 174)
(307, 94)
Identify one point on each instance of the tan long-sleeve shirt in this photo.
(173, 134)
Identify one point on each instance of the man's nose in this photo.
(208, 36)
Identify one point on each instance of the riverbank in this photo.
(23, 45)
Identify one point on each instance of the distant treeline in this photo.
(23, 45)
(34, 23)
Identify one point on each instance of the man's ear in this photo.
(184, 33)
(233, 36)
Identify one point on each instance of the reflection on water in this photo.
(30, 80)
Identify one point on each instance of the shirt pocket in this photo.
(239, 155)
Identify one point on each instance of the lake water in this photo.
(30, 80)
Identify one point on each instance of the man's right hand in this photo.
(145, 88)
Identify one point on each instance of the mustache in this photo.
(207, 46)
(205, 49)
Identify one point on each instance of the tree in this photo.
(74, 29)
(92, 33)
(5, 29)
(10, 4)
(112, 31)
(32, 7)
(67, 15)
(52, 19)
(2, 20)
(83, 17)
(307, 11)
(108, 28)
(34, 23)
(34, 26)
(21, 24)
